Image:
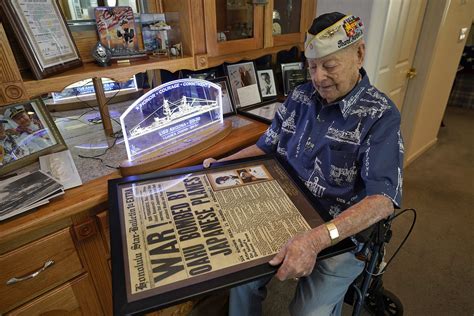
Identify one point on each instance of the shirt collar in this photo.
(346, 103)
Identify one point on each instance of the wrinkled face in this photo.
(335, 75)
(22, 119)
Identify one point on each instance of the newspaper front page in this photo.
(196, 224)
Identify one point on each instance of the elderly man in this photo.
(342, 137)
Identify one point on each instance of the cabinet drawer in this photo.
(58, 247)
(73, 298)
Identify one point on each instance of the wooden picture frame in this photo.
(29, 132)
(48, 52)
(228, 107)
(163, 251)
(244, 84)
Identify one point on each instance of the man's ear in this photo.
(360, 54)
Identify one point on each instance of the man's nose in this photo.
(319, 75)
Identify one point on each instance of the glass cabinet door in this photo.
(286, 16)
(233, 26)
(234, 20)
(290, 19)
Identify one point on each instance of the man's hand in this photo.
(298, 256)
(207, 162)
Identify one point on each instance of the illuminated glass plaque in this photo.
(167, 114)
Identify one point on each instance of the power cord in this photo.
(404, 239)
(116, 136)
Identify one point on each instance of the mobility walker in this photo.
(367, 291)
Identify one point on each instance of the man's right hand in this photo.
(207, 162)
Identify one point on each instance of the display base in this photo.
(181, 149)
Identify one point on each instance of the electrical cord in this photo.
(116, 136)
(404, 239)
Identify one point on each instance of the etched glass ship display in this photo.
(167, 116)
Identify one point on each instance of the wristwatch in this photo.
(333, 233)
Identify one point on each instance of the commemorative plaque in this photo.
(172, 122)
(185, 232)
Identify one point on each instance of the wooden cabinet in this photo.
(73, 231)
(72, 298)
(237, 26)
(47, 265)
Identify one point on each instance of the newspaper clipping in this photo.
(185, 227)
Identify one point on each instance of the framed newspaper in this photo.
(181, 233)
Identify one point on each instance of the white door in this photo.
(397, 47)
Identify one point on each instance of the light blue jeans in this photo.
(321, 293)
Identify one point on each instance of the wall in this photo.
(362, 9)
(436, 60)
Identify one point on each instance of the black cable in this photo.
(116, 136)
(406, 237)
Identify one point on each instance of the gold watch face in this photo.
(276, 28)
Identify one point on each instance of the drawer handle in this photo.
(46, 265)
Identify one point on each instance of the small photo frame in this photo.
(45, 39)
(27, 131)
(228, 107)
(243, 82)
(116, 28)
(266, 80)
(284, 68)
(154, 32)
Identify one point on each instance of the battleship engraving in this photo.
(174, 112)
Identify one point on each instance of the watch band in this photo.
(333, 233)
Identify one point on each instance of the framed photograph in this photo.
(181, 233)
(227, 105)
(116, 28)
(45, 39)
(263, 113)
(266, 80)
(27, 131)
(154, 31)
(285, 68)
(243, 83)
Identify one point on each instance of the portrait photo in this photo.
(26, 131)
(224, 179)
(266, 80)
(243, 83)
(227, 105)
(254, 174)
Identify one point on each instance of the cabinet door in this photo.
(287, 21)
(232, 26)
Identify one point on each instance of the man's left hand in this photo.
(297, 257)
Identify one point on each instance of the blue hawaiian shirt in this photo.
(343, 151)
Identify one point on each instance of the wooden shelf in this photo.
(117, 72)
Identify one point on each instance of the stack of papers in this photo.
(27, 191)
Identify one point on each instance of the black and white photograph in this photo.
(284, 70)
(26, 131)
(243, 82)
(26, 191)
(227, 105)
(266, 81)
